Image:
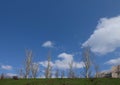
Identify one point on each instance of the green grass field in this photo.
(104, 81)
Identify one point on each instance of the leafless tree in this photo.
(86, 58)
(62, 74)
(34, 69)
(48, 70)
(71, 73)
(57, 73)
(96, 66)
(28, 62)
(21, 73)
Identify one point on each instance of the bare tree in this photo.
(71, 73)
(34, 69)
(48, 70)
(87, 62)
(21, 73)
(96, 66)
(63, 74)
(57, 73)
(28, 62)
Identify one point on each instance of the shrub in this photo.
(15, 77)
(2, 76)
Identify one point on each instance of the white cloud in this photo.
(63, 62)
(114, 61)
(106, 37)
(66, 57)
(48, 44)
(6, 67)
(42, 76)
(10, 74)
(45, 63)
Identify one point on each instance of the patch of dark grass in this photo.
(81, 81)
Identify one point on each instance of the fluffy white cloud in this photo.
(114, 61)
(6, 67)
(48, 44)
(66, 57)
(106, 37)
(63, 62)
(42, 76)
(10, 74)
(45, 63)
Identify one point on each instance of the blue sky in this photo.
(66, 25)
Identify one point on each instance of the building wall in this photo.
(114, 75)
(115, 71)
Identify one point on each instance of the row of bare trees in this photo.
(31, 69)
(89, 61)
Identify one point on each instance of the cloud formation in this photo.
(10, 74)
(106, 37)
(48, 44)
(6, 67)
(114, 61)
(63, 62)
(45, 63)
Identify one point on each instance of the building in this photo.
(105, 75)
(113, 73)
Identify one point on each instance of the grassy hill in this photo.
(103, 81)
